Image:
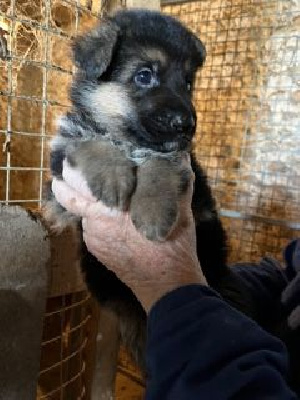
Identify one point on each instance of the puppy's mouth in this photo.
(146, 139)
(183, 144)
(163, 138)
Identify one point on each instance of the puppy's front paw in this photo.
(114, 186)
(111, 177)
(153, 218)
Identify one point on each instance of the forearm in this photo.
(198, 346)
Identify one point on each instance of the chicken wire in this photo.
(35, 74)
(247, 101)
(67, 345)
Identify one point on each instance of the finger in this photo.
(70, 198)
(186, 199)
(294, 318)
(290, 296)
(190, 189)
(78, 204)
(186, 160)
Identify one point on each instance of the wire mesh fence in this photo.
(35, 73)
(65, 371)
(247, 102)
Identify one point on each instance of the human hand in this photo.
(150, 269)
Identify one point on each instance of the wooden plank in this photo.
(174, 2)
(149, 4)
(65, 272)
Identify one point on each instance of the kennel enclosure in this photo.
(248, 141)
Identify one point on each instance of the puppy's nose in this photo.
(181, 123)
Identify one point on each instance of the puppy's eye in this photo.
(144, 78)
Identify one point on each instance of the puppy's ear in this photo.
(94, 51)
(200, 52)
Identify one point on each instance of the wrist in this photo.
(148, 293)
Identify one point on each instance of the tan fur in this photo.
(130, 68)
(109, 103)
(149, 54)
(154, 54)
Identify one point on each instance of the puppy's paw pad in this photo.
(154, 233)
(156, 225)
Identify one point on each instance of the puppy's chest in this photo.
(78, 132)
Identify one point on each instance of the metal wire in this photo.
(35, 38)
(248, 124)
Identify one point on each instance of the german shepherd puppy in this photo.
(132, 121)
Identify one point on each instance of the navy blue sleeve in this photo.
(199, 347)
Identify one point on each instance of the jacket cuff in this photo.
(175, 299)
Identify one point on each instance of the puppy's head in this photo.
(135, 79)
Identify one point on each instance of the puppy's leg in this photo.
(110, 175)
(108, 345)
(154, 205)
(114, 295)
(118, 324)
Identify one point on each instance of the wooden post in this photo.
(149, 4)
